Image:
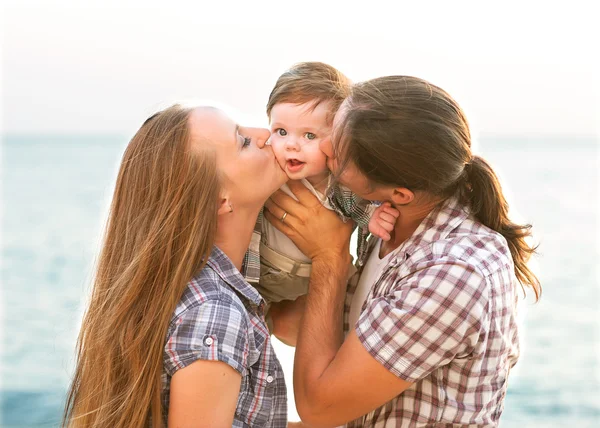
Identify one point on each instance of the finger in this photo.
(379, 229)
(289, 204)
(282, 227)
(304, 195)
(284, 201)
(382, 233)
(388, 227)
(388, 218)
(391, 210)
(278, 212)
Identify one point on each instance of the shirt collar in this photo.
(438, 224)
(222, 265)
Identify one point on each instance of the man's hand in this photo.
(316, 231)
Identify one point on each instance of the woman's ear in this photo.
(225, 206)
(402, 196)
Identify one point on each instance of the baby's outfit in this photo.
(284, 269)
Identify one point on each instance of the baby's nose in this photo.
(292, 144)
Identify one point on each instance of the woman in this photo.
(429, 320)
(172, 331)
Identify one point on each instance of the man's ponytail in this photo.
(490, 207)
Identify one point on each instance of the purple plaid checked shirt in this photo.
(443, 316)
(220, 318)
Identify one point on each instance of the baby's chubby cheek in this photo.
(277, 150)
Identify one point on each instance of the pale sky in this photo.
(517, 68)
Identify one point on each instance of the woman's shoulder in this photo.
(208, 323)
(209, 289)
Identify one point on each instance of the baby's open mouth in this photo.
(294, 165)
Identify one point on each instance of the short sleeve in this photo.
(215, 330)
(426, 320)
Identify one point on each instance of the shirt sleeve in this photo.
(215, 330)
(426, 320)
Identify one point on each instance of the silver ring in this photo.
(283, 217)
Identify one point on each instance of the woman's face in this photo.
(250, 174)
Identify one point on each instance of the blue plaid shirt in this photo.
(220, 318)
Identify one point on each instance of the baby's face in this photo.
(296, 131)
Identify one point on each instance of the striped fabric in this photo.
(443, 316)
(251, 262)
(350, 206)
(220, 318)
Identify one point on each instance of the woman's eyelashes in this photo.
(245, 141)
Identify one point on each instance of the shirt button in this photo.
(208, 341)
(270, 379)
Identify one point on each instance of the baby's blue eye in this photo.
(282, 132)
(310, 136)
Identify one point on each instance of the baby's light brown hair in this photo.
(315, 82)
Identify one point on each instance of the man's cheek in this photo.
(326, 147)
(332, 165)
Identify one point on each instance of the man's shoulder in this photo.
(474, 244)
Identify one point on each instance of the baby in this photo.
(301, 108)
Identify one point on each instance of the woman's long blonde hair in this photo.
(160, 232)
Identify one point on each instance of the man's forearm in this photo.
(321, 332)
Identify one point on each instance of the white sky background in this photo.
(517, 67)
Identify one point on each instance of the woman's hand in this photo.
(318, 232)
